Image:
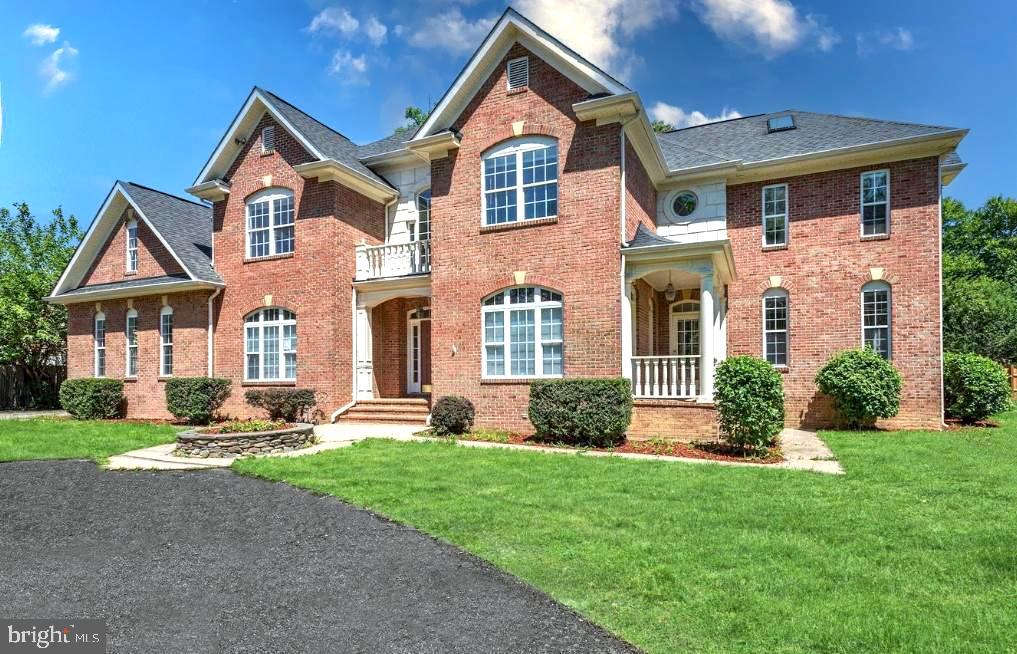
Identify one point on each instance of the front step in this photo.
(401, 410)
(416, 419)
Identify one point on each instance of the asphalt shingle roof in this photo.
(186, 226)
(328, 141)
(644, 238)
(127, 283)
(390, 143)
(747, 140)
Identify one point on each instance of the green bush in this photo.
(452, 415)
(92, 399)
(864, 386)
(974, 387)
(588, 412)
(749, 394)
(289, 404)
(196, 399)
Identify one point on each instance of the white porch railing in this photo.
(393, 260)
(665, 377)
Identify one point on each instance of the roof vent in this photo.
(518, 73)
(780, 123)
(268, 140)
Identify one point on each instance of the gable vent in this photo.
(519, 73)
(268, 140)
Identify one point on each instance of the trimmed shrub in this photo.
(864, 386)
(975, 387)
(452, 415)
(749, 394)
(196, 399)
(588, 412)
(289, 404)
(92, 399)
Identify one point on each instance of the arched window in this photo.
(166, 342)
(132, 246)
(131, 336)
(99, 340)
(270, 345)
(523, 333)
(775, 326)
(876, 314)
(520, 180)
(270, 223)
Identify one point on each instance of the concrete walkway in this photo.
(28, 415)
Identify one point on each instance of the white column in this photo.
(706, 336)
(627, 331)
(364, 355)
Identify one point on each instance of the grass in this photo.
(22, 440)
(912, 551)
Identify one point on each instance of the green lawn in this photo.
(71, 439)
(915, 549)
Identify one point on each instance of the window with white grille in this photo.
(270, 337)
(518, 73)
(526, 325)
(99, 340)
(166, 342)
(267, 140)
(270, 216)
(132, 246)
(131, 335)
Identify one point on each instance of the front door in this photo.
(684, 334)
(418, 346)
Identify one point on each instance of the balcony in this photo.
(665, 377)
(393, 260)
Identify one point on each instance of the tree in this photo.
(661, 126)
(416, 117)
(32, 257)
(980, 279)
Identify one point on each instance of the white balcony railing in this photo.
(665, 377)
(393, 260)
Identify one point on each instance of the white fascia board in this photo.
(256, 101)
(509, 28)
(85, 241)
(140, 290)
(332, 170)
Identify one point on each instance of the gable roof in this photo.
(183, 227)
(746, 140)
(510, 28)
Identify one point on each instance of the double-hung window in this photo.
(522, 333)
(132, 246)
(775, 326)
(131, 336)
(270, 222)
(876, 312)
(775, 226)
(876, 203)
(270, 345)
(166, 342)
(99, 339)
(520, 180)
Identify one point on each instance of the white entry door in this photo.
(418, 351)
(684, 334)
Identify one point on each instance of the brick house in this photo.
(534, 226)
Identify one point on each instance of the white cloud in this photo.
(452, 31)
(53, 68)
(678, 117)
(600, 30)
(40, 34)
(332, 20)
(773, 26)
(898, 39)
(375, 30)
(350, 67)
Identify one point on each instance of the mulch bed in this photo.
(221, 429)
(955, 425)
(714, 451)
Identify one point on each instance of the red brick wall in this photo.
(672, 419)
(146, 396)
(110, 265)
(824, 268)
(577, 255)
(388, 331)
(640, 194)
(314, 281)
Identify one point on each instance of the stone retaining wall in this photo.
(217, 446)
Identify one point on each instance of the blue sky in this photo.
(143, 91)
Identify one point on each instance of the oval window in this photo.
(684, 204)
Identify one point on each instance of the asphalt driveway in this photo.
(212, 561)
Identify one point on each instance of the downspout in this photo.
(211, 332)
(942, 399)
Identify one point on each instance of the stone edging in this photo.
(194, 444)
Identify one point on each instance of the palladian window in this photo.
(270, 345)
(522, 330)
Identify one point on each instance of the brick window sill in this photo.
(271, 257)
(876, 237)
(519, 224)
(521, 89)
(772, 248)
(268, 383)
(512, 381)
(130, 380)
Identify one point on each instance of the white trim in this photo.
(669, 206)
(508, 73)
(862, 204)
(672, 345)
(131, 313)
(163, 343)
(280, 323)
(878, 285)
(411, 385)
(515, 148)
(786, 215)
(774, 293)
(131, 263)
(211, 331)
(506, 309)
(156, 288)
(96, 348)
(268, 130)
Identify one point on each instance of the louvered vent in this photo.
(268, 140)
(519, 73)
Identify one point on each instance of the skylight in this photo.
(780, 123)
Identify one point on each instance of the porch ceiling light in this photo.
(669, 293)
